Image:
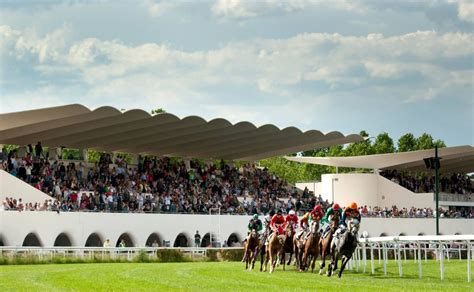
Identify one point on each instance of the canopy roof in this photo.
(453, 159)
(136, 131)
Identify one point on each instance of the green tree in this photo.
(406, 143)
(425, 141)
(383, 144)
(157, 111)
(439, 143)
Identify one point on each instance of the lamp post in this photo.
(333, 180)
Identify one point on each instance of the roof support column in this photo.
(53, 153)
(84, 154)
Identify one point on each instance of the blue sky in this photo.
(394, 66)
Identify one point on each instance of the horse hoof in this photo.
(321, 272)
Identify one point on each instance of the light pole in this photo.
(333, 180)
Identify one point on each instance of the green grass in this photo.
(228, 276)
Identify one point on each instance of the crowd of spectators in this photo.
(457, 183)
(155, 185)
(413, 212)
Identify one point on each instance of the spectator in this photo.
(197, 239)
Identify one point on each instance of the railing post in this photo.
(364, 258)
(419, 261)
(372, 259)
(469, 262)
(400, 271)
(379, 249)
(441, 262)
(384, 259)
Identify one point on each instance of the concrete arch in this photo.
(129, 241)
(182, 240)
(154, 238)
(402, 234)
(94, 239)
(63, 239)
(3, 241)
(421, 234)
(458, 233)
(32, 239)
(206, 239)
(383, 234)
(234, 240)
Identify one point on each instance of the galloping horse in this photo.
(325, 242)
(310, 248)
(288, 244)
(344, 246)
(275, 249)
(251, 250)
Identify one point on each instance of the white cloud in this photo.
(466, 10)
(158, 8)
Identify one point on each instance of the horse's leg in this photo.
(323, 259)
(267, 258)
(313, 262)
(344, 261)
(283, 255)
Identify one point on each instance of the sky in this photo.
(379, 66)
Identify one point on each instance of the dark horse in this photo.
(251, 250)
(344, 246)
(288, 245)
(325, 242)
(307, 249)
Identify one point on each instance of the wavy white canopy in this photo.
(453, 159)
(136, 131)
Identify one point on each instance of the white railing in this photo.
(443, 246)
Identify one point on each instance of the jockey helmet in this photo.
(353, 206)
(317, 209)
(279, 212)
(255, 216)
(336, 207)
(292, 212)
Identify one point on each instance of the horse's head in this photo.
(254, 234)
(353, 226)
(289, 230)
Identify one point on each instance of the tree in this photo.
(157, 111)
(383, 144)
(439, 143)
(425, 141)
(406, 143)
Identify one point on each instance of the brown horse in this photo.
(288, 244)
(325, 242)
(309, 249)
(274, 250)
(251, 250)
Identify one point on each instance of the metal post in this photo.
(405, 254)
(437, 188)
(414, 254)
(441, 262)
(378, 248)
(384, 260)
(468, 262)
(372, 258)
(426, 254)
(400, 271)
(364, 257)
(420, 273)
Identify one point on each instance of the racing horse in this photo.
(275, 248)
(288, 244)
(325, 242)
(251, 250)
(343, 245)
(309, 248)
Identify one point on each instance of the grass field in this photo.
(224, 276)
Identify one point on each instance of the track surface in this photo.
(225, 276)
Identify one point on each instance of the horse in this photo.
(251, 250)
(288, 244)
(310, 248)
(263, 247)
(344, 246)
(275, 249)
(325, 242)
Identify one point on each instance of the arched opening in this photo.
(94, 240)
(383, 234)
(2, 242)
(62, 240)
(233, 240)
(402, 234)
(206, 240)
(126, 239)
(421, 234)
(181, 241)
(32, 240)
(154, 240)
(457, 233)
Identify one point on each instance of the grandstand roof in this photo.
(136, 131)
(453, 159)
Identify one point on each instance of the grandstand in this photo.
(141, 202)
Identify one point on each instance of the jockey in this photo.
(350, 211)
(335, 210)
(314, 215)
(292, 219)
(277, 219)
(255, 223)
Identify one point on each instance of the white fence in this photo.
(444, 247)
